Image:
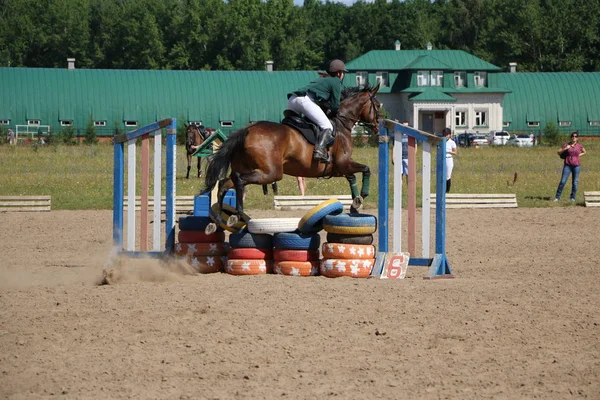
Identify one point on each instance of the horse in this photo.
(264, 151)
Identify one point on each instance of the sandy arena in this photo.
(521, 319)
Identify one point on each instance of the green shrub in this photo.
(67, 136)
(552, 135)
(90, 132)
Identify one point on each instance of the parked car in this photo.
(521, 140)
(463, 139)
(479, 140)
(498, 138)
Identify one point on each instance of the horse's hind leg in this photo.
(189, 166)
(224, 186)
(275, 189)
(265, 189)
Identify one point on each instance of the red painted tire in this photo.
(250, 254)
(207, 264)
(297, 268)
(201, 249)
(335, 268)
(200, 237)
(295, 255)
(248, 267)
(348, 251)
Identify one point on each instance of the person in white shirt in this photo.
(450, 152)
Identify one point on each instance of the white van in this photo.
(498, 137)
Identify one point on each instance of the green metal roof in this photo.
(432, 94)
(394, 60)
(551, 96)
(146, 96)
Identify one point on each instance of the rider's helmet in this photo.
(336, 66)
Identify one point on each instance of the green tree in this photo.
(90, 132)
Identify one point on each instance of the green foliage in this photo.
(552, 135)
(67, 136)
(90, 132)
(181, 133)
(3, 135)
(358, 140)
(217, 34)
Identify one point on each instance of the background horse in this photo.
(263, 152)
(194, 136)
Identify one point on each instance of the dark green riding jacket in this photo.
(325, 90)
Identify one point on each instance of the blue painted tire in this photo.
(312, 221)
(249, 240)
(194, 223)
(297, 241)
(350, 224)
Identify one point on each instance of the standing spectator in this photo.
(450, 152)
(404, 153)
(11, 136)
(301, 185)
(572, 164)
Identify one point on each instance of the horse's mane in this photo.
(352, 91)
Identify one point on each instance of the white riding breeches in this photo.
(449, 167)
(304, 105)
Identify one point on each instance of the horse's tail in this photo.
(218, 163)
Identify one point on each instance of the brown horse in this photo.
(264, 151)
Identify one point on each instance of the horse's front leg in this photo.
(357, 199)
(199, 167)
(189, 166)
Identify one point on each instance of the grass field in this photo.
(81, 177)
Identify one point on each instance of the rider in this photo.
(311, 99)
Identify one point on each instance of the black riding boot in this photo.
(320, 153)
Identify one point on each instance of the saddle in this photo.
(306, 127)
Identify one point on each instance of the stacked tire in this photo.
(205, 253)
(348, 250)
(296, 253)
(250, 253)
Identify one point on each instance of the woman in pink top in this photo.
(572, 165)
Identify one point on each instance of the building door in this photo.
(427, 122)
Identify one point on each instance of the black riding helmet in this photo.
(336, 66)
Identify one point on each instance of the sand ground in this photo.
(521, 319)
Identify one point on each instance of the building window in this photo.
(480, 78)
(66, 122)
(34, 122)
(422, 78)
(130, 123)
(226, 124)
(533, 124)
(594, 123)
(4, 122)
(564, 123)
(362, 78)
(460, 79)
(383, 79)
(437, 78)
(196, 123)
(460, 118)
(481, 118)
(506, 124)
(99, 123)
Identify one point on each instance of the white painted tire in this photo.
(273, 225)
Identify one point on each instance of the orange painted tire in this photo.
(348, 251)
(297, 268)
(200, 237)
(201, 249)
(248, 267)
(335, 268)
(250, 254)
(207, 264)
(295, 255)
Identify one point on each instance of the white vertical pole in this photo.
(157, 189)
(397, 157)
(131, 172)
(426, 200)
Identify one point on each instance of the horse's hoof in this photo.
(357, 203)
(210, 228)
(232, 220)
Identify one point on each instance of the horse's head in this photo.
(359, 104)
(192, 137)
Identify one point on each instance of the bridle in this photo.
(356, 121)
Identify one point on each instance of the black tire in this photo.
(349, 239)
(194, 223)
(251, 240)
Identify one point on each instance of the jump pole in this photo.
(439, 266)
(130, 139)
